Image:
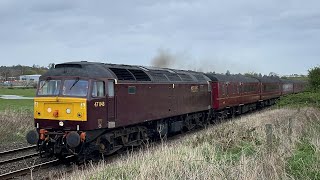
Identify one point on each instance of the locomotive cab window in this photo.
(98, 89)
(75, 87)
(49, 87)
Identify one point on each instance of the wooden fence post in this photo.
(269, 137)
(290, 129)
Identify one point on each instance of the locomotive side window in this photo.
(111, 88)
(132, 90)
(98, 89)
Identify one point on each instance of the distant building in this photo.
(11, 78)
(29, 78)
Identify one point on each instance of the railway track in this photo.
(19, 158)
(28, 170)
(32, 169)
(3, 153)
(10, 157)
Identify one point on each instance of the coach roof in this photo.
(231, 78)
(269, 79)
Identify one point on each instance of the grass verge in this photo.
(232, 150)
(16, 105)
(14, 126)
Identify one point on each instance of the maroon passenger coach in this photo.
(236, 93)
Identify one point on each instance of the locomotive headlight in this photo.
(61, 123)
(68, 111)
(82, 105)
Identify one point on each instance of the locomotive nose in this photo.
(32, 137)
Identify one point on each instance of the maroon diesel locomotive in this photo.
(86, 108)
(83, 107)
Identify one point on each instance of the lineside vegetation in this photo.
(14, 126)
(234, 149)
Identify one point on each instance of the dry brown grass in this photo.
(232, 150)
(14, 125)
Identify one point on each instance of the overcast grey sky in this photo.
(209, 35)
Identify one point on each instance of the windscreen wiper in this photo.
(44, 83)
(75, 82)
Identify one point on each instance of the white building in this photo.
(28, 78)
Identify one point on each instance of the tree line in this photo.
(17, 70)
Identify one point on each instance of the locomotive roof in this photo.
(127, 73)
(231, 78)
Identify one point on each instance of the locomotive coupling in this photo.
(32, 137)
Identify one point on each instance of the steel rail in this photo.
(34, 168)
(17, 150)
(27, 170)
(19, 158)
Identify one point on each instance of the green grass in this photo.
(305, 162)
(18, 91)
(16, 104)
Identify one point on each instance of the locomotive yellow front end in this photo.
(60, 109)
(60, 113)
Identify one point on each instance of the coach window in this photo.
(202, 89)
(111, 88)
(234, 89)
(98, 89)
(221, 87)
(227, 89)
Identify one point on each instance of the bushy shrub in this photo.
(299, 100)
(314, 78)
